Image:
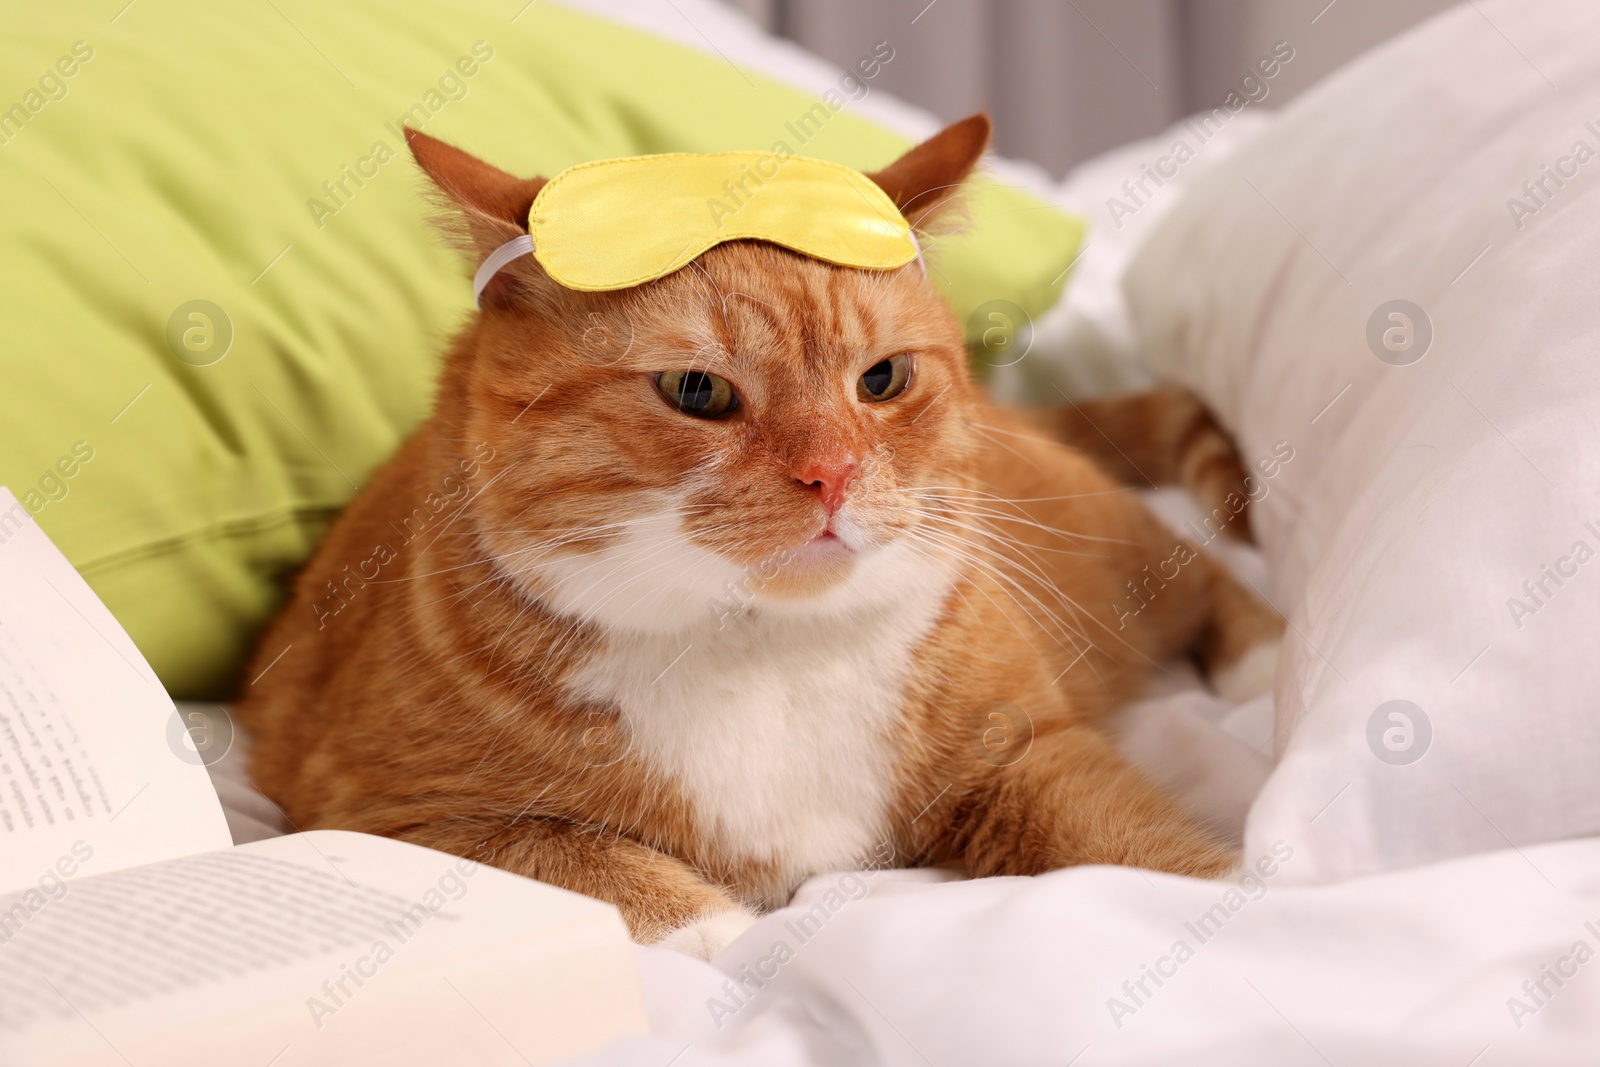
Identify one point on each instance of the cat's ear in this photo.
(925, 180)
(492, 206)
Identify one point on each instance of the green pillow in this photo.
(224, 304)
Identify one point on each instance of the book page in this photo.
(94, 769)
(324, 947)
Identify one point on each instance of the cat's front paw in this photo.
(705, 938)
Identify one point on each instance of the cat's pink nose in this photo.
(830, 478)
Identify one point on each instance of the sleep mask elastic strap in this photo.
(515, 248)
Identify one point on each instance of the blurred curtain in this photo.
(1068, 79)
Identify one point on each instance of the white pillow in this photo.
(1420, 497)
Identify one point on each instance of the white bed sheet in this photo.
(1415, 967)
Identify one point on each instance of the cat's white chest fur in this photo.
(777, 728)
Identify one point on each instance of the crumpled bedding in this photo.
(1482, 961)
(1489, 960)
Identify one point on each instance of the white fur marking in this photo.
(649, 580)
(775, 723)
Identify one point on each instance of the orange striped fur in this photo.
(682, 664)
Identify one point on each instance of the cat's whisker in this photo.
(1079, 611)
(1032, 565)
(969, 553)
(984, 494)
(938, 555)
(983, 516)
(516, 573)
(1021, 517)
(650, 546)
(1043, 619)
(572, 536)
(980, 430)
(938, 551)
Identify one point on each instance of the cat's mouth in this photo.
(826, 543)
(825, 558)
(837, 533)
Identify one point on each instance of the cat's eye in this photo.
(697, 393)
(884, 379)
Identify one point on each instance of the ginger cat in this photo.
(689, 591)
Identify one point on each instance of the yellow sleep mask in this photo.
(617, 223)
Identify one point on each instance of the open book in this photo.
(132, 931)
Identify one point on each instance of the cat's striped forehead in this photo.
(758, 312)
